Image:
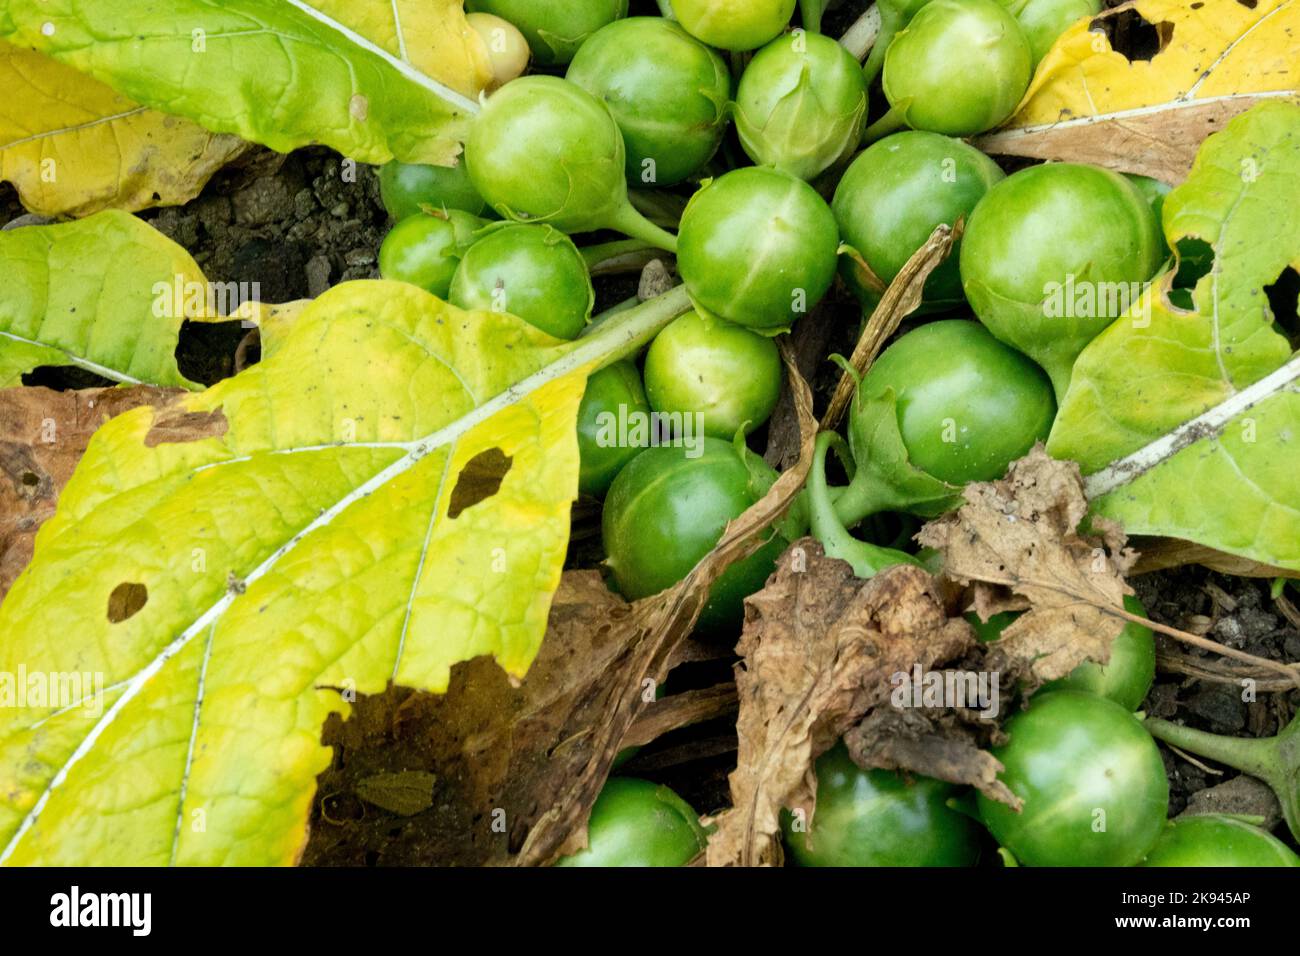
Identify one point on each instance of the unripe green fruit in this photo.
(893, 196)
(703, 365)
(614, 395)
(534, 272)
(425, 250)
(757, 247)
(637, 823)
(667, 90)
(801, 104)
(1053, 255)
(735, 25)
(1214, 840)
(409, 188)
(554, 29)
(545, 150)
(1043, 21)
(1091, 779)
(960, 67)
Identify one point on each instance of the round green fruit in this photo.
(1215, 840)
(801, 104)
(554, 29)
(410, 188)
(757, 247)
(967, 405)
(879, 818)
(891, 199)
(1091, 780)
(614, 396)
(666, 510)
(959, 67)
(1043, 21)
(702, 365)
(1054, 254)
(667, 91)
(534, 272)
(1127, 677)
(424, 250)
(735, 25)
(638, 823)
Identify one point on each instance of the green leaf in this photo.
(374, 79)
(101, 294)
(1193, 413)
(386, 494)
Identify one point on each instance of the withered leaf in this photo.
(43, 434)
(1018, 542)
(942, 748)
(405, 793)
(820, 648)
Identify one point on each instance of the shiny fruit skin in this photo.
(665, 511)
(614, 393)
(892, 197)
(638, 823)
(421, 250)
(735, 25)
(967, 405)
(757, 247)
(1043, 21)
(725, 373)
(533, 272)
(1214, 840)
(959, 67)
(880, 818)
(1092, 781)
(407, 188)
(1043, 232)
(667, 91)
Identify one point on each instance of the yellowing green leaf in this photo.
(1217, 58)
(107, 293)
(386, 494)
(372, 78)
(1202, 405)
(72, 146)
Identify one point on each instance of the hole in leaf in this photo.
(1195, 260)
(1283, 301)
(31, 479)
(61, 378)
(126, 601)
(479, 480)
(1249, 4)
(1132, 36)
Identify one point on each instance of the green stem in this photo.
(891, 122)
(598, 255)
(625, 333)
(867, 560)
(630, 222)
(1275, 760)
(859, 500)
(867, 34)
(625, 306)
(810, 14)
(666, 9)
(662, 208)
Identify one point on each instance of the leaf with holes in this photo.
(109, 294)
(1190, 68)
(72, 146)
(384, 495)
(373, 79)
(1187, 410)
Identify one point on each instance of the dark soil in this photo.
(299, 224)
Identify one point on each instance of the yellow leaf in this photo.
(72, 146)
(1217, 58)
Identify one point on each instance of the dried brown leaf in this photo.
(1017, 541)
(820, 647)
(43, 435)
